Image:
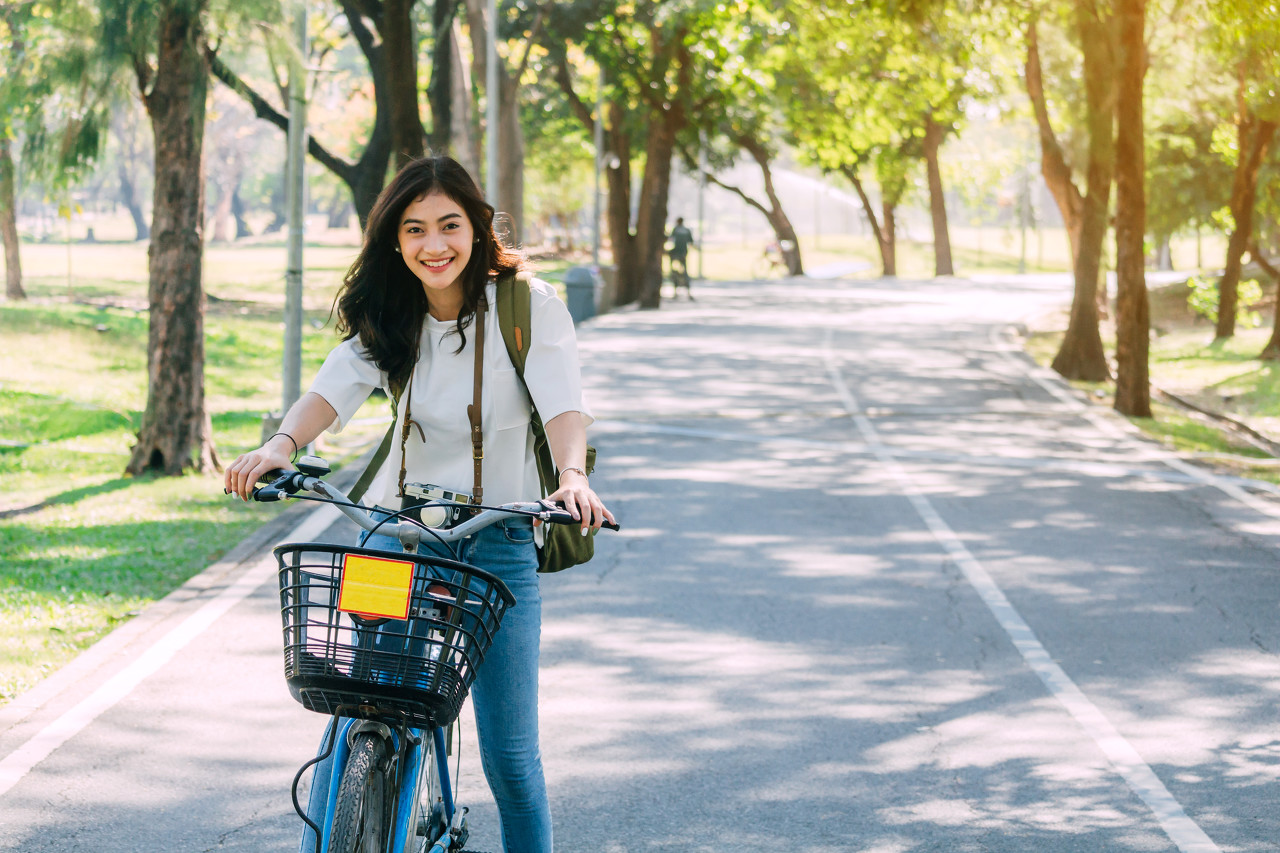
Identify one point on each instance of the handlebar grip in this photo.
(279, 488)
(564, 517)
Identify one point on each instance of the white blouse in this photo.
(443, 388)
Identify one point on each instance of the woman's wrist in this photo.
(574, 469)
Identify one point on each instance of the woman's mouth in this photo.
(437, 264)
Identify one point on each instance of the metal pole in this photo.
(702, 190)
(295, 200)
(595, 200)
(492, 96)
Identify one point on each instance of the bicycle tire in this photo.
(360, 816)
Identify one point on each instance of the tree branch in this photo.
(263, 110)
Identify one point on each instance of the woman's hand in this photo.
(579, 499)
(242, 475)
(305, 420)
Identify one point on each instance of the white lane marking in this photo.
(41, 745)
(1182, 830)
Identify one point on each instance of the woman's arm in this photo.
(568, 439)
(303, 423)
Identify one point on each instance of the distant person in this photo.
(681, 239)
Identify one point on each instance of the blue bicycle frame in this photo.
(409, 773)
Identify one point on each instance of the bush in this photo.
(1203, 300)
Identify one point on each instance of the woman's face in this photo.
(436, 239)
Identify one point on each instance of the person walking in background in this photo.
(681, 238)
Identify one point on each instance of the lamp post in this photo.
(295, 201)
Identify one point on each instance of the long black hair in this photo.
(381, 300)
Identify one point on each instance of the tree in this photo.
(383, 30)
(1133, 385)
(165, 46)
(657, 58)
(49, 96)
(745, 117)
(880, 90)
(1248, 39)
(1081, 355)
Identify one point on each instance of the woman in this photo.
(408, 309)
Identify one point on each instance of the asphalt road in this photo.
(884, 586)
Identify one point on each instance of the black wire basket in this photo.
(383, 633)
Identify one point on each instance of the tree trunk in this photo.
(1081, 355)
(440, 89)
(883, 235)
(511, 157)
(618, 211)
(400, 63)
(221, 232)
(176, 431)
(237, 213)
(1254, 138)
(651, 225)
(9, 225)
(1053, 163)
(129, 198)
(1133, 321)
(889, 236)
(933, 136)
(778, 220)
(1271, 352)
(466, 136)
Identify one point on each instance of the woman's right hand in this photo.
(242, 475)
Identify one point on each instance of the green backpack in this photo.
(563, 544)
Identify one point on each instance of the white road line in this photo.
(41, 745)
(1182, 830)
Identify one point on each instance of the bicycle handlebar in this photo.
(282, 484)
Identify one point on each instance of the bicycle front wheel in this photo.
(360, 816)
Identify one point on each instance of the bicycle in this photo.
(387, 643)
(772, 260)
(680, 277)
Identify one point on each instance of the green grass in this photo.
(83, 546)
(1225, 377)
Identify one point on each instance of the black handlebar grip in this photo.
(564, 517)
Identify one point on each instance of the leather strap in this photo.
(473, 411)
(405, 427)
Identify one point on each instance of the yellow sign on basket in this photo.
(374, 586)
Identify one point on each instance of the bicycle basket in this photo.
(399, 633)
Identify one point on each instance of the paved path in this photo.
(884, 587)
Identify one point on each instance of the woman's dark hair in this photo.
(381, 300)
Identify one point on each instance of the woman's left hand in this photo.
(580, 500)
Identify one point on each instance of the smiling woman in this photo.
(414, 311)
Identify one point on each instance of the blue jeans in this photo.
(504, 696)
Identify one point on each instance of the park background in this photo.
(860, 138)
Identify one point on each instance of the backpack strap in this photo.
(515, 319)
(379, 457)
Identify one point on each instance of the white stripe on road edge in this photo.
(1182, 830)
(41, 745)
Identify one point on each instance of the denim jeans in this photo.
(504, 696)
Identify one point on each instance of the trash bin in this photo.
(580, 293)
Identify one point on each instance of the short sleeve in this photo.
(552, 372)
(346, 379)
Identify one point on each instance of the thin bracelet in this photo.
(295, 445)
(564, 471)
